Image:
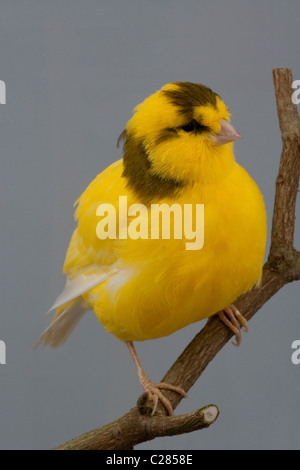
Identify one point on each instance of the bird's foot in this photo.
(154, 393)
(232, 318)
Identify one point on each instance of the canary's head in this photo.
(179, 135)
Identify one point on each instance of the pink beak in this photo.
(227, 134)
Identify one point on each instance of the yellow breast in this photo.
(159, 285)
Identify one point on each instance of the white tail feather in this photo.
(74, 306)
(78, 286)
(59, 330)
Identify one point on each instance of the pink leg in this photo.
(150, 388)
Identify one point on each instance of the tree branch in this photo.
(289, 169)
(134, 428)
(282, 267)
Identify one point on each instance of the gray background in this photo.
(74, 70)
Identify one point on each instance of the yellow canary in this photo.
(143, 279)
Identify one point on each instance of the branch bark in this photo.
(282, 267)
(134, 428)
(287, 181)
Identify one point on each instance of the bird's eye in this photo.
(189, 127)
(193, 126)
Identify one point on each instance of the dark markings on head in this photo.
(137, 171)
(137, 166)
(188, 95)
(165, 134)
(192, 127)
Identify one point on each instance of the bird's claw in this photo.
(154, 394)
(232, 318)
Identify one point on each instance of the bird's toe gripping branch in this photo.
(232, 318)
(154, 394)
(152, 390)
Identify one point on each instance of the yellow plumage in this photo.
(150, 288)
